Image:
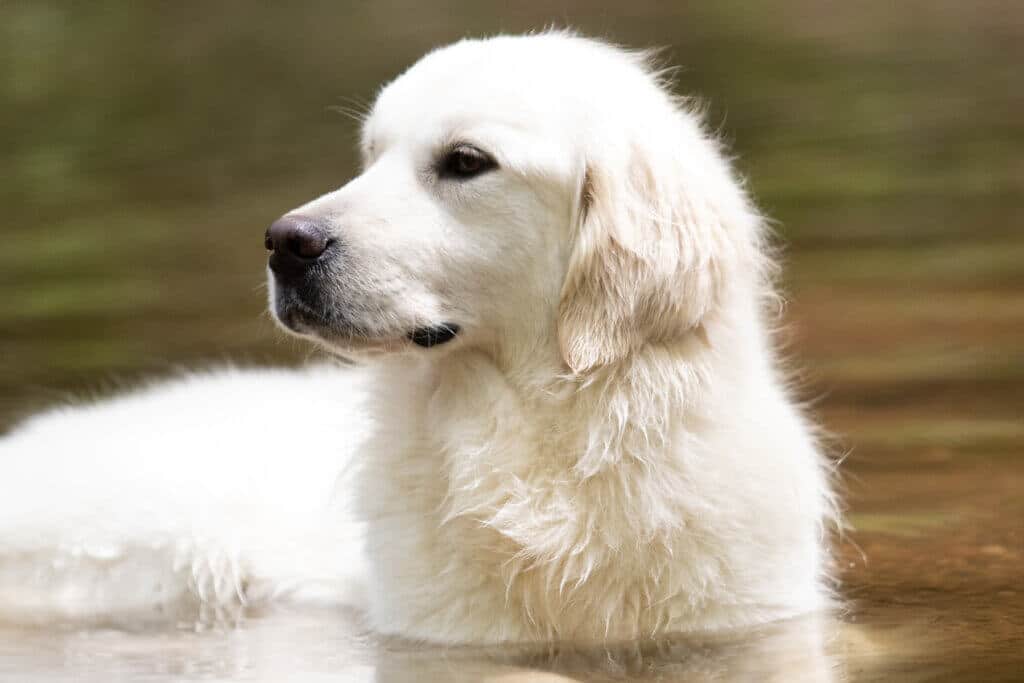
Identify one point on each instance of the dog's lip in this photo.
(344, 342)
(434, 335)
(425, 338)
(300, 320)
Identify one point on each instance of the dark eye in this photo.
(465, 161)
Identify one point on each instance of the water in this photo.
(146, 146)
(324, 647)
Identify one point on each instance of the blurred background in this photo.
(145, 147)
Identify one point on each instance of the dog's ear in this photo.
(652, 251)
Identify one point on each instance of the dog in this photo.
(566, 420)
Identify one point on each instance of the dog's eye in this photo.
(465, 161)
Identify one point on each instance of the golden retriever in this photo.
(567, 420)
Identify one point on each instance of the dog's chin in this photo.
(352, 342)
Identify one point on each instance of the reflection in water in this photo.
(312, 647)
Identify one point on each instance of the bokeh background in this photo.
(145, 146)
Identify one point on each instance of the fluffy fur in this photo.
(607, 450)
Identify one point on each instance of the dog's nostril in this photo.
(307, 245)
(296, 237)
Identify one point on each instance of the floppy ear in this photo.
(651, 254)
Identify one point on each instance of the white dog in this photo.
(573, 425)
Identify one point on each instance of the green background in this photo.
(146, 146)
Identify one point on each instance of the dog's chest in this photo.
(563, 549)
(482, 491)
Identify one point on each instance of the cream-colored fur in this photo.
(606, 450)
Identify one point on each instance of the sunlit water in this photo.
(145, 147)
(905, 645)
(322, 647)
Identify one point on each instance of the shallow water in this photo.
(931, 585)
(323, 647)
(146, 146)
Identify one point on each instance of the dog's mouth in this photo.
(434, 335)
(345, 336)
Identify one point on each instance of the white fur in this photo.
(607, 449)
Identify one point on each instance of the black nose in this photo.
(296, 242)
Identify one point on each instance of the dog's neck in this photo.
(591, 420)
(628, 409)
(537, 484)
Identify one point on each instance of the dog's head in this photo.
(518, 191)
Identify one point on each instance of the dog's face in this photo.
(514, 191)
(456, 229)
